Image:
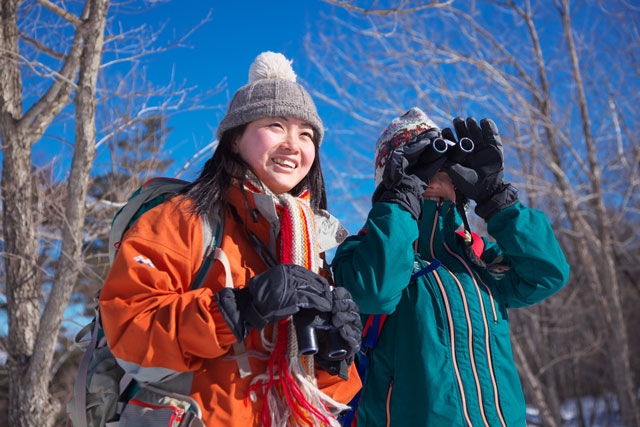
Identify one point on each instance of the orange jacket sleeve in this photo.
(149, 315)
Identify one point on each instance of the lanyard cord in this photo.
(468, 237)
(258, 245)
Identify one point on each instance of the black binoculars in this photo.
(316, 335)
(455, 151)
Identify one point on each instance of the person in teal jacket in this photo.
(444, 356)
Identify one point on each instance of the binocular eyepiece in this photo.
(316, 335)
(455, 151)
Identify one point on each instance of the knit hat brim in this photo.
(400, 130)
(241, 112)
(272, 91)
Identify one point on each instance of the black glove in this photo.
(480, 176)
(272, 296)
(345, 318)
(405, 179)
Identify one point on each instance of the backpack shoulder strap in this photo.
(212, 230)
(80, 386)
(370, 335)
(371, 330)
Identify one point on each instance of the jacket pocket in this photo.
(151, 407)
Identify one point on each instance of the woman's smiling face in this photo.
(279, 151)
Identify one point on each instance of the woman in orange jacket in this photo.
(231, 345)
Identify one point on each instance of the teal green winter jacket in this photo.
(444, 353)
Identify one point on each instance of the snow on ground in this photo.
(599, 411)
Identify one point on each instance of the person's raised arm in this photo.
(525, 239)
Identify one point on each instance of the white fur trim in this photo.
(271, 65)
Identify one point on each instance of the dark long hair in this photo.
(225, 165)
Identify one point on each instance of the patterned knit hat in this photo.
(272, 91)
(400, 130)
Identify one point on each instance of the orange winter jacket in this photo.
(156, 326)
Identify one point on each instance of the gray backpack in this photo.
(104, 395)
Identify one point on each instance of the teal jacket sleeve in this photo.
(526, 240)
(376, 265)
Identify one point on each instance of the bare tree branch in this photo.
(40, 115)
(51, 52)
(572, 153)
(146, 39)
(69, 17)
(36, 66)
(384, 12)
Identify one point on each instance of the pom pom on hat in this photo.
(272, 91)
(400, 130)
(271, 65)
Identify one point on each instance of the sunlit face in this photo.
(279, 150)
(440, 187)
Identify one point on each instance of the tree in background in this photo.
(561, 80)
(72, 66)
(138, 155)
(32, 334)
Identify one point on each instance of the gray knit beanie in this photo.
(272, 91)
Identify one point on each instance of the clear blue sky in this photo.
(223, 49)
(219, 51)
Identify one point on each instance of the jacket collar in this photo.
(329, 232)
(447, 221)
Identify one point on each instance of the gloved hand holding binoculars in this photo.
(480, 175)
(332, 337)
(412, 165)
(327, 319)
(474, 161)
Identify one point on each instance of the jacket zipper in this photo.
(486, 337)
(388, 404)
(176, 416)
(450, 320)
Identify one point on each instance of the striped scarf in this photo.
(297, 243)
(291, 396)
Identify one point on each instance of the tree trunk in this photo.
(70, 261)
(609, 294)
(32, 340)
(23, 296)
(536, 386)
(18, 229)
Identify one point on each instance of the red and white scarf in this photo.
(290, 392)
(297, 243)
